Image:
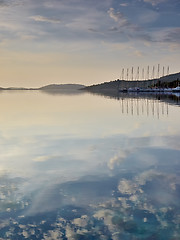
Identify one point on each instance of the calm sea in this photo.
(87, 166)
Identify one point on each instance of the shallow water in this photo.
(89, 167)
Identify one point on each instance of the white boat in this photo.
(167, 89)
(177, 89)
(135, 89)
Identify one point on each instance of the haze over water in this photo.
(88, 167)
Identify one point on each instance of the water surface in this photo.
(89, 167)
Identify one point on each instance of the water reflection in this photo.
(171, 98)
(62, 92)
(82, 168)
(146, 107)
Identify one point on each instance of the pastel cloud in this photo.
(42, 159)
(118, 17)
(124, 4)
(8, 3)
(40, 18)
(155, 2)
(117, 160)
(173, 35)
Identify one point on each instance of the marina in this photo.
(136, 89)
(158, 82)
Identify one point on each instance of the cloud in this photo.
(42, 159)
(27, 37)
(124, 4)
(145, 37)
(117, 160)
(114, 29)
(127, 187)
(147, 16)
(138, 53)
(81, 222)
(118, 17)
(46, 200)
(148, 176)
(39, 18)
(92, 30)
(11, 4)
(8, 3)
(155, 2)
(126, 28)
(172, 35)
(169, 37)
(124, 47)
(3, 3)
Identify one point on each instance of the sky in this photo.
(87, 42)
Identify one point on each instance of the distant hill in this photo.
(113, 86)
(67, 89)
(51, 87)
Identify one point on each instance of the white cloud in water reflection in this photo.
(117, 159)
